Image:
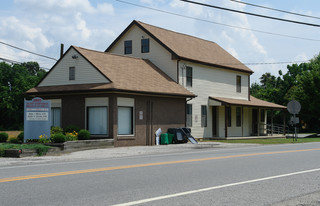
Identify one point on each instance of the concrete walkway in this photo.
(119, 152)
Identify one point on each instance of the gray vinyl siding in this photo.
(85, 73)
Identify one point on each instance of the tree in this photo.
(15, 81)
(302, 83)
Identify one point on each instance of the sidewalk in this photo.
(119, 152)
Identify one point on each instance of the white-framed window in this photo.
(98, 120)
(126, 122)
(97, 115)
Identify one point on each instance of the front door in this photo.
(255, 122)
(214, 121)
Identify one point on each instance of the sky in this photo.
(41, 26)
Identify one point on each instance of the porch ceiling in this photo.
(254, 102)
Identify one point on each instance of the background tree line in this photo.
(302, 83)
(15, 80)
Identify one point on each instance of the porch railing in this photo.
(269, 129)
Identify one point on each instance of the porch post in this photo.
(284, 124)
(225, 122)
(258, 122)
(271, 122)
(242, 119)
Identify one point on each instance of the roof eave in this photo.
(110, 90)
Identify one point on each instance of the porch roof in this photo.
(253, 102)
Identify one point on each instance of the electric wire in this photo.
(218, 23)
(252, 14)
(27, 51)
(273, 9)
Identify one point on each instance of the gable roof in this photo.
(254, 102)
(127, 74)
(189, 48)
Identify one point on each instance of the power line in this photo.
(289, 62)
(16, 62)
(218, 23)
(273, 9)
(27, 51)
(252, 14)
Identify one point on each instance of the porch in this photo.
(237, 118)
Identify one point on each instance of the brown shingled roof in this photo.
(190, 48)
(254, 102)
(125, 73)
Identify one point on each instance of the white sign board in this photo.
(37, 118)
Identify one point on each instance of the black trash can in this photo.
(179, 135)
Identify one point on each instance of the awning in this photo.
(254, 102)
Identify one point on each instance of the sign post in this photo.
(294, 108)
(37, 115)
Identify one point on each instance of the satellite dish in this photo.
(294, 107)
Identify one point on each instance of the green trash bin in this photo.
(170, 138)
(164, 138)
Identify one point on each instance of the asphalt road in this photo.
(259, 175)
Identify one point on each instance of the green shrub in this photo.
(13, 140)
(71, 128)
(83, 135)
(20, 137)
(58, 138)
(56, 130)
(3, 137)
(71, 137)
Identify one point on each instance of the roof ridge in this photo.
(140, 22)
(108, 53)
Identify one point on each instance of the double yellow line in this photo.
(29, 177)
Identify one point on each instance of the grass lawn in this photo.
(268, 141)
(42, 149)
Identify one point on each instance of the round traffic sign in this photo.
(294, 107)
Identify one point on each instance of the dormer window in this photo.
(145, 46)
(128, 47)
(72, 73)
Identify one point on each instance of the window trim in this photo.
(72, 73)
(189, 78)
(128, 47)
(238, 83)
(145, 45)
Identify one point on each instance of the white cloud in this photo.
(193, 9)
(15, 29)
(81, 26)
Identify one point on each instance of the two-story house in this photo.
(223, 106)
